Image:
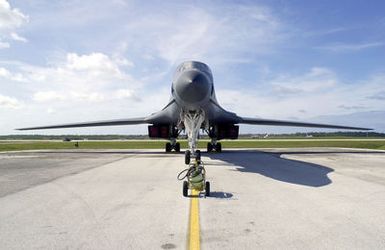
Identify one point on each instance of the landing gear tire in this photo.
(207, 188)
(187, 157)
(197, 155)
(185, 188)
(218, 147)
(177, 147)
(209, 147)
(168, 147)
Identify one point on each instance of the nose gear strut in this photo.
(192, 121)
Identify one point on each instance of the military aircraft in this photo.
(193, 106)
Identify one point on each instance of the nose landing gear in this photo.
(188, 155)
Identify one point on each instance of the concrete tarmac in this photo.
(312, 198)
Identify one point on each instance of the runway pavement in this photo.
(131, 199)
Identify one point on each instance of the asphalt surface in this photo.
(130, 199)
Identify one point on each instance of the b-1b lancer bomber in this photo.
(193, 106)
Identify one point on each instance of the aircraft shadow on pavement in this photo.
(221, 195)
(272, 166)
(214, 194)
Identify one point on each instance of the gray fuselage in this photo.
(193, 90)
(192, 86)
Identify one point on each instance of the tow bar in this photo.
(196, 178)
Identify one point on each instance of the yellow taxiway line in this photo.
(194, 230)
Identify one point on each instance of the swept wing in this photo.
(259, 121)
(131, 121)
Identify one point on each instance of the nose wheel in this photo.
(188, 155)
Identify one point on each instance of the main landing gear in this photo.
(196, 179)
(217, 147)
(188, 155)
(172, 146)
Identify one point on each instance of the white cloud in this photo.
(94, 68)
(72, 88)
(4, 73)
(93, 77)
(126, 93)
(353, 107)
(47, 96)
(123, 62)
(17, 37)
(379, 95)
(214, 33)
(4, 45)
(95, 63)
(346, 47)
(10, 20)
(91, 97)
(51, 111)
(311, 95)
(9, 102)
(53, 96)
(318, 79)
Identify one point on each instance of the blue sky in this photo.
(70, 61)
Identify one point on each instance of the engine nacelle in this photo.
(162, 131)
(227, 131)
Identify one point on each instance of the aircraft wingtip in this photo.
(20, 129)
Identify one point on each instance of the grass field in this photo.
(156, 144)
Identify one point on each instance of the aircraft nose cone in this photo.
(192, 86)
